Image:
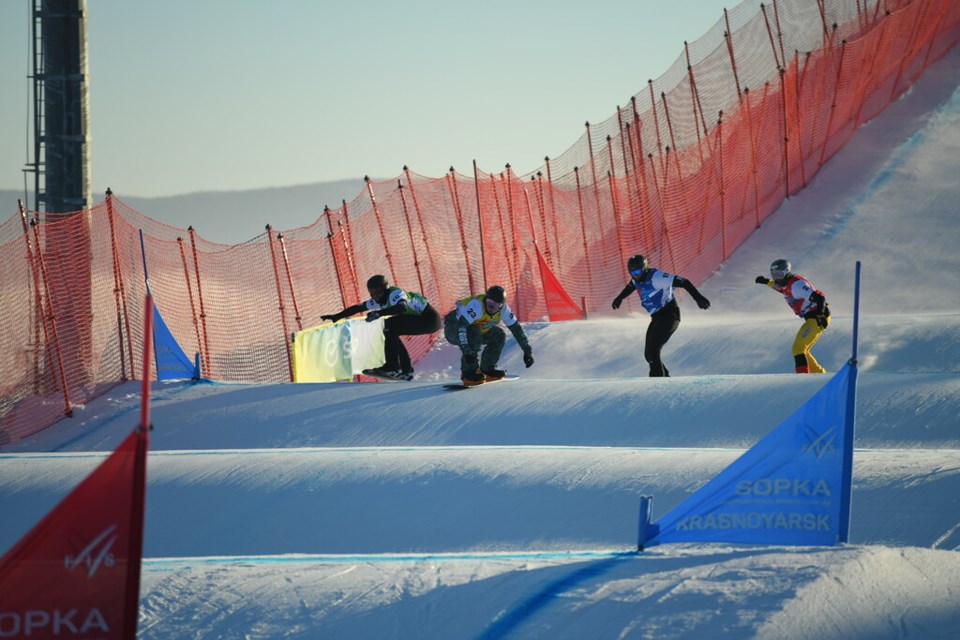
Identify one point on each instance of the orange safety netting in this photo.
(684, 173)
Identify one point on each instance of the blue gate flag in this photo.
(792, 488)
(172, 362)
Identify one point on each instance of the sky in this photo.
(400, 510)
(213, 96)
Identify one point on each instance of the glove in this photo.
(821, 320)
(703, 303)
(332, 317)
(528, 358)
(762, 280)
(616, 303)
(373, 315)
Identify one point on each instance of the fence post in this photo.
(676, 162)
(333, 256)
(551, 189)
(293, 292)
(656, 124)
(583, 227)
(193, 308)
(723, 197)
(640, 172)
(119, 293)
(208, 364)
(383, 237)
(458, 210)
(728, 36)
(786, 135)
(483, 253)
(798, 79)
(348, 248)
(280, 307)
(753, 157)
(38, 298)
(629, 166)
(616, 217)
(537, 181)
(418, 215)
(51, 328)
(776, 58)
(507, 178)
(506, 252)
(413, 246)
(596, 182)
(696, 106)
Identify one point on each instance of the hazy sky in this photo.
(203, 96)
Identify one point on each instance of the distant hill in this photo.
(229, 217)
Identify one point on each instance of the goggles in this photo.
(493, 304)
(636, 273)
(778, 274)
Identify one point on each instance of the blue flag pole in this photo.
(846, 495)
(146, 280)
(856, 314)
(143, 256)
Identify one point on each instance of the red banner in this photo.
(76, 574)
(560, 306)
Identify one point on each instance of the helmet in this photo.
(496, 293)
(376, 282)
(637, 263)
(780, 269)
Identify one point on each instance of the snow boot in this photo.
(471, 378)
(491, 375)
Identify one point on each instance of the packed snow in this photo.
(401, 510)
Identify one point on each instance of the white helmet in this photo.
(780, 269)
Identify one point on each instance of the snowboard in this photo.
(370, 373)
(457, 386)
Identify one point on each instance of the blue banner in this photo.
(172, 362)
(792, 488)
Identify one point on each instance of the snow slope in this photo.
(405, 511)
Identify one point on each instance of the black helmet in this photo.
(637, 263)
(780, 269)
(376, 282)
(496, 293)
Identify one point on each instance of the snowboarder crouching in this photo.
(407, 313)
(472, 326)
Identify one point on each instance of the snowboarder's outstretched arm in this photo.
(627, 290)
(346, 313)
(394, 310)
(700, 299)
(521, 339)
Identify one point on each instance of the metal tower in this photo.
(61, 123)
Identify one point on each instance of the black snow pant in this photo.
(398, 359)
(662, 325)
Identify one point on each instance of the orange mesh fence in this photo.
(683, 173)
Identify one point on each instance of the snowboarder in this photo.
(472, 326)
(407, 313)
(656, 295)
(808, 303)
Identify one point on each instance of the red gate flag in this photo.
(560, 306)
(76, 574)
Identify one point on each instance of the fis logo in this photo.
(820, 444)
(96, 554)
